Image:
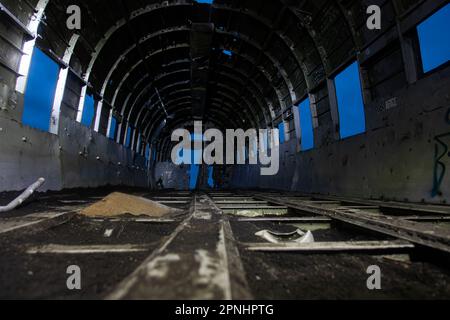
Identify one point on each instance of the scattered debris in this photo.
(254, 213)
(23, 197)
(108, 233)
(298, 236)
(118, 204)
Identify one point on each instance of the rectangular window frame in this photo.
(334, 101)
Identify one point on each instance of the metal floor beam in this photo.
(198, 261)
(433, 237)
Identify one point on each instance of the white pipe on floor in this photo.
(24, 196)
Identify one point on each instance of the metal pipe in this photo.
(23, 197)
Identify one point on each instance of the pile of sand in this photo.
(118, 204)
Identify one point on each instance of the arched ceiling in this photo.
(152, 59)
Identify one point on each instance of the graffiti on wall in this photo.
(441, 151)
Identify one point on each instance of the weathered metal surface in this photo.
(201, 41)
(330, 246)
(430, 236)
(192, 264)
(77, 157)
(88, 249)
(34, 222)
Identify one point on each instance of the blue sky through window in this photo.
(40, 91)
(128, 140)
(434, 38)
(88, 111)
(194, 169)
(282, 132)
(112, 130)
(350, 103)
(211, 183)
(306, 125)
(147, 153)
(227, 53)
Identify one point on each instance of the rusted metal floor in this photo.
(211, 251)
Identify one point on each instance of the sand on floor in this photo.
(117, 204)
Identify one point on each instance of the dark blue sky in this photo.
(40, 91)
(350, 103)
(88, 111)
(434, 37)
(306, 125)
